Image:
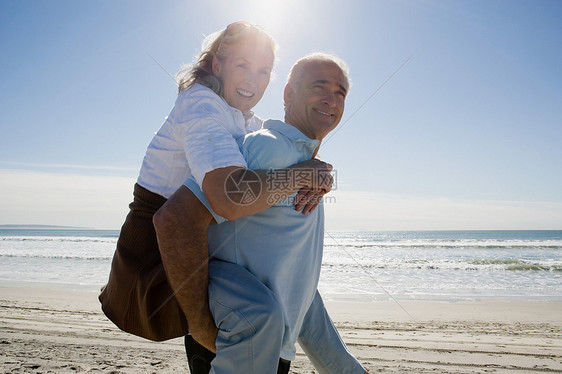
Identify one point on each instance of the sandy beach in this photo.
(63, 331)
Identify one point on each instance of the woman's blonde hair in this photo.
(219, 44)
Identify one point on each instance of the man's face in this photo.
(245, 73)
(315, 106)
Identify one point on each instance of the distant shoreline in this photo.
(42, 227)
(55, 227)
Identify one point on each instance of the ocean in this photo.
(360, 266)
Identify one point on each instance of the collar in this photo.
(248, 116)
(290, 132)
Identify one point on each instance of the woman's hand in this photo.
(313, 174)
(319, 180)
(307, 200)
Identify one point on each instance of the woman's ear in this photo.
(216, 66)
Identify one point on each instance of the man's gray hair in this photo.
(295, 74)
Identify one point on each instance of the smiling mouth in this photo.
(324, 113)
(245, 93)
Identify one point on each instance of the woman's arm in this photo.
(206, 129)
(274, 186)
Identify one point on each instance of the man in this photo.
(264, 268)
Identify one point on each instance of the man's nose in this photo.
(330, 99)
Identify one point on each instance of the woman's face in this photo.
(245, 73)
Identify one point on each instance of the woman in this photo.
(213, 108)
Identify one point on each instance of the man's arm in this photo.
(181, 228)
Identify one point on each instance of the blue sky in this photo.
(466, 133)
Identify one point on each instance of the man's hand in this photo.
(205, 333)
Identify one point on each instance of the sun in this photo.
(272, 15)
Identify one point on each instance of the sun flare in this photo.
(273, 14)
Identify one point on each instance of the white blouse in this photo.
(198, 136)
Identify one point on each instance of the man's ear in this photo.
(288, 95)
(216, 66)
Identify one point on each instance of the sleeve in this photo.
(207, 130)
(322, 343)
(194, 187)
